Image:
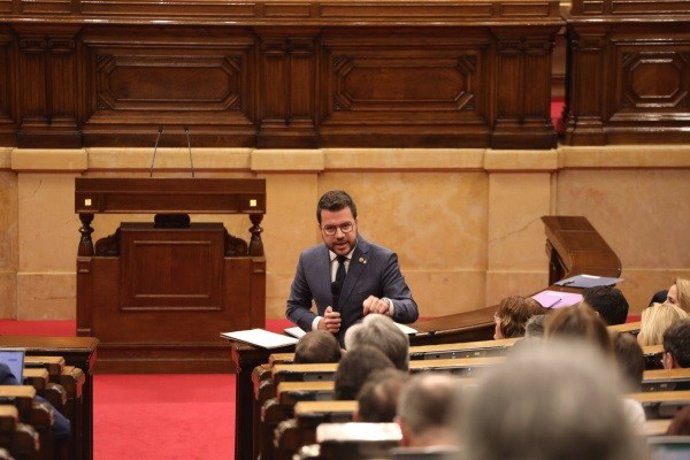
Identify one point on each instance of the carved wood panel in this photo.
(7, 126)
(173, 270)
(294, 74)
(171, 79)
(286, 101)
(655, 79)
(628, 73)
(414, 83)
(48, 89)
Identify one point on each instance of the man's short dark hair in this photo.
(677, 342)
(378, 398)
(335, 200)
(609, 302)
(317, 347)
(354, 369)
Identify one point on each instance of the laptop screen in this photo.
(14, 358)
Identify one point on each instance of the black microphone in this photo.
(336, 287)
(155, 148)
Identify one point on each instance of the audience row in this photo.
(532, 405)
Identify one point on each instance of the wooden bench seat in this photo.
(656, 427)
(295, 433)
(53, 364)
(666, 380)
(662, 404)
(19, 440)
(32, 412)
(64, 391)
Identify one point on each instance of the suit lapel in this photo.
(323, 270)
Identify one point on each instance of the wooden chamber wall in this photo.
(277, 74)
(333, 73)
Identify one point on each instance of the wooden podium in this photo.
(158, 295)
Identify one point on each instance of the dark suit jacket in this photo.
(373, 270)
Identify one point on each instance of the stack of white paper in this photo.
(260, 338)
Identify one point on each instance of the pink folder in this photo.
(557, 299)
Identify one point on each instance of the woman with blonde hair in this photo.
(679, 294)
(655, 320)
(512, 315)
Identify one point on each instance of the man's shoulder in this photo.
(373, 248)
(313, 251)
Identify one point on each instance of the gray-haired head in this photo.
(381, 332)
(426, 408)
(549, 403)
(535, 327)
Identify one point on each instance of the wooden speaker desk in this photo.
(158, 295)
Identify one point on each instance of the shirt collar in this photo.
(332, 255)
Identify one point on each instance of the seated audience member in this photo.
(534, 329)
(61, 426)
(579, 322)
(655, 320)
(426, 408)
(679, 294)
(677, 345)
(548, 403)
(512, 315)
(609, 302)
(378, 398)
(659, 297)
(630, 359)
(381, 332)
(317, 347)
(680, 425)
(354, 369)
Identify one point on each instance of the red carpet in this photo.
(164, 416)
(161, 416)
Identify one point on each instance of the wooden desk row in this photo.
(291, 384)
(291, 434)
(79, 356)
(60, 385)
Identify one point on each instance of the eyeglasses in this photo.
(331, 230)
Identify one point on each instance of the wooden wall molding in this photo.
(283, 12)
(285, 86)
(7, 123)
(624, 85)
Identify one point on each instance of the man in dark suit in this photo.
(346, 277)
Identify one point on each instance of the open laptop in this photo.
(14, 358)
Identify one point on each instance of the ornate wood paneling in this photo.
(171, 78)
(287, 78)
(523, 71)
(47, 86)
(420, 86)
(7, 126)
(283, 74)
(628, 72)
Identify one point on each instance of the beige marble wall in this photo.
(643, 211)
(465, 223)
(9, 253)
